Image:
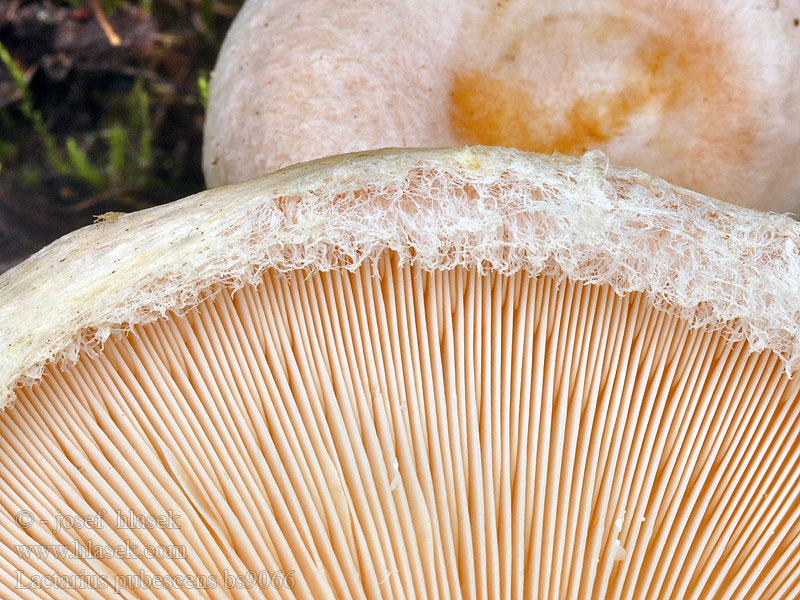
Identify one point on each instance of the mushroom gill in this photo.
(493, 396)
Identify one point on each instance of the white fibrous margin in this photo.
(718, 266)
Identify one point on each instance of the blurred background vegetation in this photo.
(101, 109)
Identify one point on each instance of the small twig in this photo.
(97, 199)
(220, 8)
(112, 36)
(170, 39)
(123, 196)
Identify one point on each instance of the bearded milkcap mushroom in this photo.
(704, 94)
(469, 373)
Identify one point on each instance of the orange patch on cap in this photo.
(666, 75)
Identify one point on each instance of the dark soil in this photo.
(104, 112)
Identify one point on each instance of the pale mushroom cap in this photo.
(706, 95)
(709, 262)
(469, 373)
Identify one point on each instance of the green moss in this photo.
(124, 135)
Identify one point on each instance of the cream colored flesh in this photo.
(400, 433)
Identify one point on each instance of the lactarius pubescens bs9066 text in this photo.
(471, 373)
